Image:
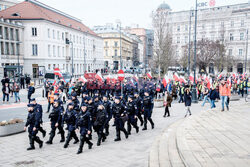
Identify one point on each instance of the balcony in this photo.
(68, 58)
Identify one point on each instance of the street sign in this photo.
(121, 75)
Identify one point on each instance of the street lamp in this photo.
(86, 33)
(18, 63)
(72, 69)
(194, 93)
(120, 28)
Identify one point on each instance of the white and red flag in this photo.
(149, 75)
(99, 76)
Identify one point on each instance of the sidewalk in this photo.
(211, 138)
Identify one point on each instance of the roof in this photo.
(30, 10)
(164, 6)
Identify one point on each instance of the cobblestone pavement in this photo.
(210, 138)
(130, 152)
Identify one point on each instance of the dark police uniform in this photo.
(132, 111)
(147, 107)
(101, 118)
(33, 122)
(70, 119)
(138, 102)
(38, 108)
(107, 106)
(118, 110)
(84, 123)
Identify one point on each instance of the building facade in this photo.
(111, 43)
(11, 39)
(147, 38)
(45, 34)
(4, 4)
(228, 24)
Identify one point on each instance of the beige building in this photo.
(111, 43)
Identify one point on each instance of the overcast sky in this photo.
(100, 12)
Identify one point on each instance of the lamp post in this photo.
(18, 63)
(246, 51)
(120, 29)
(84, 56)
(189, 40)
(194, 93)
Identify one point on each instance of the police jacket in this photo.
(118, 110)
(101, 117)
(56, 114)
(38, 108)
(31, 90)
(91, 110)
(187, 99)
(147, 103)
(138, 102)
(83, 120)
(70, 117)
(107, 106)
(76, 104)
(33, 119)
(131, 108)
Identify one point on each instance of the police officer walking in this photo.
(33, 123)
(148, 108)
(119, 112)
(84, 123)
(138, 102)
(56, 122)
(132, 111)
(70, 119)
(107, 105)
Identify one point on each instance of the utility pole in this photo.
(189, 40)
(246, 51)
(84, 56)
(194, 93)
(72, 57)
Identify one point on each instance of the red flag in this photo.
(149, 75)
(99, 76)
(176, 77)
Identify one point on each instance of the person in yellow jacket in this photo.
(50, 98)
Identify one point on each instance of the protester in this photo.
(187, 101)
(16, 90)
(6, 91)
(167, 102)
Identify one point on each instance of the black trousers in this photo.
(166, 111)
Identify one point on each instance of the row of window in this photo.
(240, 52)
(203, 26)
(8, 48)
(115, 44)
(9, 33)
(78, 68)
(231, 37)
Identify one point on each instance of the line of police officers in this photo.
(92, 114)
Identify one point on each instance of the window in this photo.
(73, 38)
(34, 50)
(115, 52)
(241, 36)
(62, 36)
(230, 52)
(63, 52)
(49, 66)
(2, 48)
(222, 24)
(213, 26)
(34, 31)
(212, 37)
(6, 30)
(12, 49)
(80, 40)
(242, 23)
(106, 52)
(54, 51)
(49, 51)
(186, 39)
(58, 51)
(116, 44)
(76, 39)
(11, 34)
(17, 49)
(58, 37)
(106, 44)
(240, 52)
(53, 32)
(17, 35)
(231, 37)
(178, 28)
(203, 26)
(48, 33)
(232, 23)
(186, 27)
(178, 39)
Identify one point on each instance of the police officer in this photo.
(39, 109)
(33, 123)
(132, 111)
(84, 123)
(70, 119)
(138, 102)
(56, 122)
(147, 108)
(91, 110)
(118, 110)
(76, 102)
(56, 97)
(107, 105)
(101, 118)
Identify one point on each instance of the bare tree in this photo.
(162, 41)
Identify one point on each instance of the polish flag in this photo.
(99, 76)
(82, 79)
(220, 76)
(182, 80)
(234, 75)
(176, 77)
(108, 78)
(208, 80)
(57, 72)
(191, 78)
(149, 75)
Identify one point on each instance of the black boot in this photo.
(81, 145)
(67, 140)
(40, 142)
(118, 137)
(103, 137)
(137, 129)
(32, 147)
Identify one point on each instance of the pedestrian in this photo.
(206, 95)
(213, 94)
(181, 93)
(50, 99)
(167, 102)
(6, 91)
(83, 123)
(22, 82)
(27, 79)
(32, 124)
(224, 93)
(187, 101)
(16, 90)
(31, 90)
